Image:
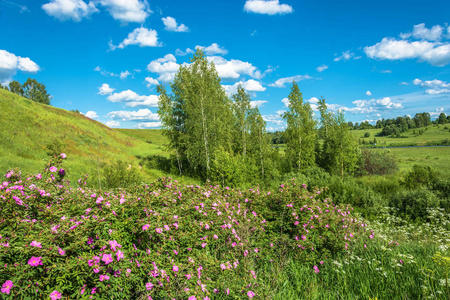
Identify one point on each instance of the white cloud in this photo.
(140, 115)
(386, 71)
(285, 102)
(69, 9)
(368, 93)
(257, 103)
(234, 68)
(347, 55)
(282, 81)
(250, 85)
(112, 124)
(142, 37)
(434, 87)
(124, 74)
(171, 25)
(105, 89)
(132, 99)
(91, 114)
(151, 81)
(166, 67)
(213, 49)
(435, 53)
(437, 112)
(313, 100)
(104, 72)
(276, 118)
(10, 64)
(149, 125)
(127, 10)
(322, 68)
(267, 7)
(179, 52)
(421, 32)
(373, 105)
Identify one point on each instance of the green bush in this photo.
(120, 175)
(367, 134)
(377, 162)
(414, 203)
(420, 176)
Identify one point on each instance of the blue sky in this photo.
(373, 59)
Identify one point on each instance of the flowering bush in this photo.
(160, 240)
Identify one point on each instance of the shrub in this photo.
(377, 162)
(414, 203)
(120, 174)
(367, 134)
(420, 176)
(159, 240)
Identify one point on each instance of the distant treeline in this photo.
(396, 126)
(30, 89)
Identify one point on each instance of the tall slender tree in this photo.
(300, 132)
(241, 110)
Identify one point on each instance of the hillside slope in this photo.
(27, 127)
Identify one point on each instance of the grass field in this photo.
(432, 134)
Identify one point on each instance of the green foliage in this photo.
(120, 175)
(414, 203)
(367, 134)
(377, 162)
(420, 176)
(228, 170)
(55, 148)
(36, 91)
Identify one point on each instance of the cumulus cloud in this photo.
(436, 113)
(104, 72)
(142, 37)
(275, 118)
(433, 87)
(281, 83)
(257, 103)
(124, 74)
(421, 32)
(171, 25)
(132, 99)
(180, 52)
(151, 81)
(75, 10)
(127, 10)
(250, 85)
(213, 49)
(137, 116)
(234, 68)
(373, 105)
(10, 64)
(368, 93)
(91, 114)
(267, 7)
(435, 53)
(112, 124)
(322, 68)
(149, 125)
(105, 89)
(285, 102)
(346, 55)
(166, 67)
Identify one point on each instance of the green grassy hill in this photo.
(27, 127)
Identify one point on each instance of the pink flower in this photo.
(99, 200)
(149, 286)
(107, 258)
(166, 227)
(35, 261)
(316, 269)
(175, 268)
(192, 298)
(216, 237)
(7, 286)
(63, 155)
(61, 251)
(53, 169)
(159, 230)
(94, 290)
(119, 255)
(55, 295)
(256, 250)
(35, 244)
(250, 294)
(104, 277)
(145, 227)
(203, 245)
(114, 244)
(223, 266)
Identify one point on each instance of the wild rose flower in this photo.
(107, 258)
(119, 255)
(149, 286)
(256, 250)
(99, 200)
(175, 268)
(96, 270)
(35, 244)
(316, 269)
(166, 227)
(61, 251)
(114, 244)
(222, 266)
(35, 261)
(63, 155)
(55, 295)
(192, 298)
(7, 286)
(94, 290)
(104, 277)
(53, 169)
(62, 172)
(145, 227)
(250, 294)
(159, 230)
(18, 200)
(204, 245)
(90, 240)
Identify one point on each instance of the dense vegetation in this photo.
(30, 89)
